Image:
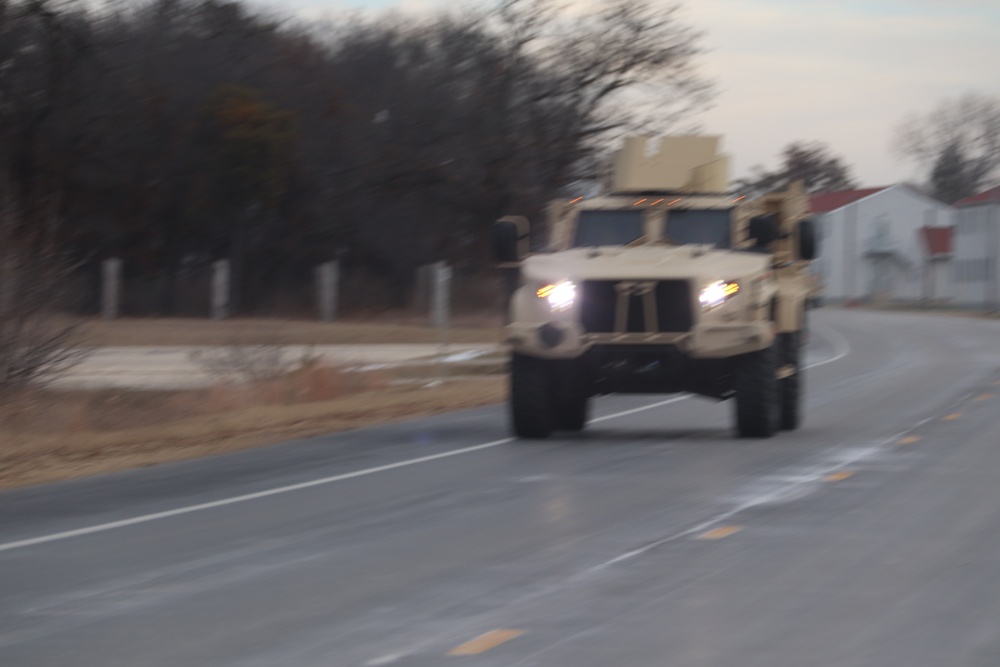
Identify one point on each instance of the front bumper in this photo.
(707, 340)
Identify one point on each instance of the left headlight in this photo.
(715, 294)
(560, 296)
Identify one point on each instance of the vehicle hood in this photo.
(647, 262)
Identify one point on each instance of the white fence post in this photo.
(327, 287)
(111, 288)
(220, 289)
(441, 309)
(440, 295)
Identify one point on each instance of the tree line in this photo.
(955, 145)
(172, 133)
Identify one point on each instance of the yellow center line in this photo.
(720, 532)
(985, 397)
(485, 642)
(952, 417)
(908, 440)
(840, 476)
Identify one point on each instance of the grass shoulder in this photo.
(51, 435)
(193, 332)
(261, 396)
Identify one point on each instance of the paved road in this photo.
(869, 538)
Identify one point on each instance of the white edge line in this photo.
(249, 496)
(844, 349)
(625, 413)
(840, 345)
(99, 528)
(816, 475)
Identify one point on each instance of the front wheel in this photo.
(531, 405)
(756, 385)
(790, 388)
(573, 412)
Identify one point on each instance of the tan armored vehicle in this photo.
(669, 284)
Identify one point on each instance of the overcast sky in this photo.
(840, 71)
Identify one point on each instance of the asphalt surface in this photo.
(870, 537)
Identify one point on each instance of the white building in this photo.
(874, 247)
(938, 246)
(977, 247)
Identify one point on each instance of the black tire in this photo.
(531, 405)
(573, 413)
(790, 388)
(756, 387)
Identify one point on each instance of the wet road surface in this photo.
(869, 537)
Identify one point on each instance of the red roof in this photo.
(824, 202)
(937, 240)
(991, 195)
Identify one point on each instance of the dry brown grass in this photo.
(48, 434)
(180, 331)
(51, 435)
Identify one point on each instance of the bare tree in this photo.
(630, 64)
(411, 133)
(957, 143)
(42, 44)
(37, 343)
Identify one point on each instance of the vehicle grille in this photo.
(670, 298)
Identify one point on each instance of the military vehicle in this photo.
(668, 284)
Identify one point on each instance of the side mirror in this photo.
(808, 242)
(763, 230)
(509, 239)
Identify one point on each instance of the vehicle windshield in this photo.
(711, 226)
(597, 228)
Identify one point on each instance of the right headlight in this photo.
(715, 294)
(560, 296)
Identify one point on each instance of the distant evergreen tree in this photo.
(807, 161)
(951, 179)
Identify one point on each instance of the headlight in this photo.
(560, 296)
(715, 294)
